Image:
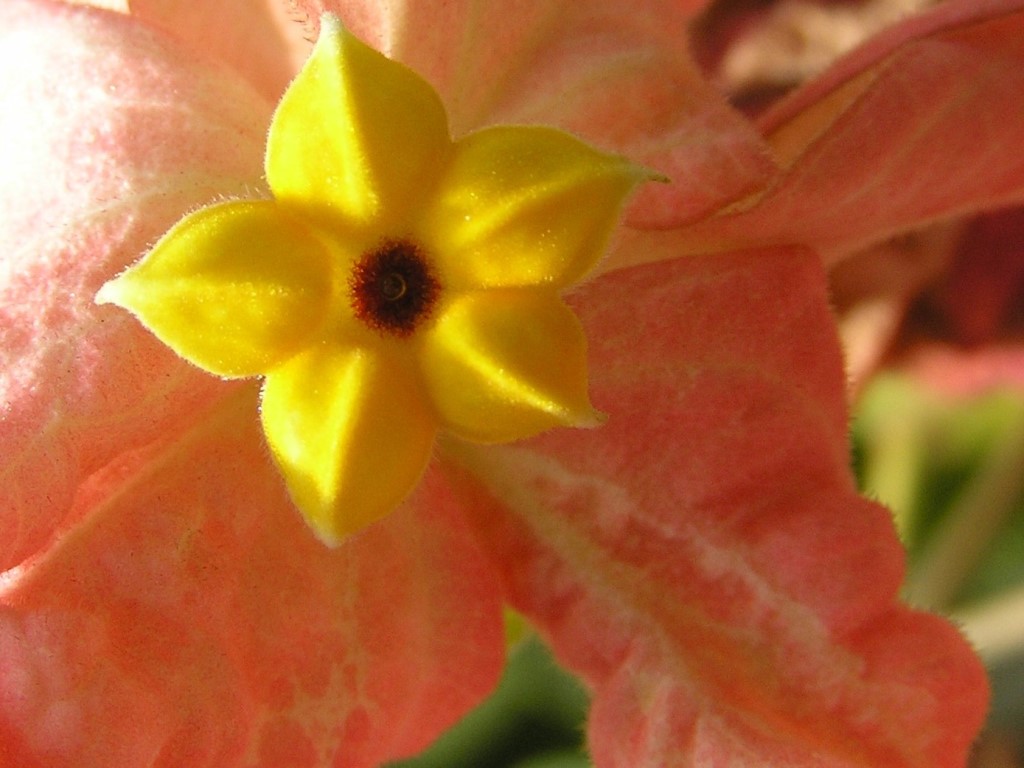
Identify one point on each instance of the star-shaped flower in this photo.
(396, 283)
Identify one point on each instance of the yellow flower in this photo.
(397, 284)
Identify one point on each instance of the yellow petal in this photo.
(235, 288)
(507, 364)
(356, 134)
(525, 206)
(351, 432)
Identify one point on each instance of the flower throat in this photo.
(393, 289)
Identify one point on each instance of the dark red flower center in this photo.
(393, 289)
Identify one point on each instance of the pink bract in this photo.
(702, 561)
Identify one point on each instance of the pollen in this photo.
(393, 289)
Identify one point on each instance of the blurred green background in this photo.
(533, 720)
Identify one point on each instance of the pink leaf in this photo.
(191, 619)
(920, 124)
(704, 561)
(615, 73)
(109, 133)
(255, 38)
